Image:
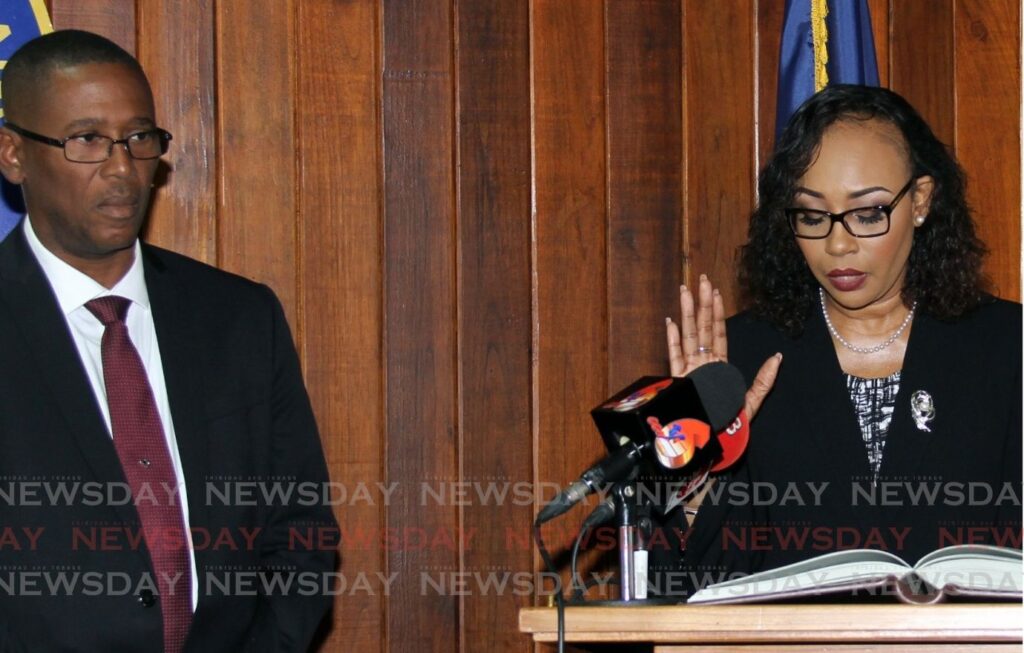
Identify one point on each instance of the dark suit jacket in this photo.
(804, 486)
(71, 576)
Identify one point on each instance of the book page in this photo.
(974, 567)
(972, 550)
(834, 558)
(828, 571)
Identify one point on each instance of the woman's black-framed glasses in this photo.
(97, 148)
(862, 222)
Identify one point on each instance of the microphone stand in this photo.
(633, 516)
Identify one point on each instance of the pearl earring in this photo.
(919, 220)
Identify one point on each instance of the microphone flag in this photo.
(680, 417)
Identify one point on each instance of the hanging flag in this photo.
(823, 42)
(20, 21)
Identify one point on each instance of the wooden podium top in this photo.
(758, 625)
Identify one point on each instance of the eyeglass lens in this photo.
(870, 221)
(93, 148)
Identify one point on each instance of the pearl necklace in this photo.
(864, 350)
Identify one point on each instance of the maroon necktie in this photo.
(142, 448)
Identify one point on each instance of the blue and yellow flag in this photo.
(20, 21)
(823, 42)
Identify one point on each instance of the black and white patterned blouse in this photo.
(873, 401)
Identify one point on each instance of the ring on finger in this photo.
(704, 350)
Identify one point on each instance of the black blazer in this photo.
(804, 486)
(241, 416)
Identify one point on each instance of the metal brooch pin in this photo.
(922, 409)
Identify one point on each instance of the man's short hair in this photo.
(29, 68)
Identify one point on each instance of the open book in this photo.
(965, 570)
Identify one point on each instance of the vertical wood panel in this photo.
(644, 182)
(569, 226)
(494, 310)
(114, 19)
(718, 99)
(176, 49)
(341, 288)
(933, 94)
(420, 318)
(255, 122)
(881, 16)
(987, 50)
(770, 18)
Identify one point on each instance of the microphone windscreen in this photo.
(722, 391)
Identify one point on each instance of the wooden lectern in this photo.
(982, 627)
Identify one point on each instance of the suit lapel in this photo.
(34, 309)
(178, 334)
(830, 413)
(908, 448)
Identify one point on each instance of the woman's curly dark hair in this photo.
(944, 268)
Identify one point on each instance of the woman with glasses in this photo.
(885, 383)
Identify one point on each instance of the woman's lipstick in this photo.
(847, 279)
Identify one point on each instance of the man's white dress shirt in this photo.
(73, 289)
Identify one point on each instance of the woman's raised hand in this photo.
(700, 338)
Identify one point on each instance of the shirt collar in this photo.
(74, 288)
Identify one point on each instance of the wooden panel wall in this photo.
(420, 315)
(494, 307)
(477, 214)
(341, 285)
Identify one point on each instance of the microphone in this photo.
(691, 408)
(615, 467)
(601, 514)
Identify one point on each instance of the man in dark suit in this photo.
(161, 473)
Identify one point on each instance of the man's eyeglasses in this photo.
(863, 222)
(97, 148)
